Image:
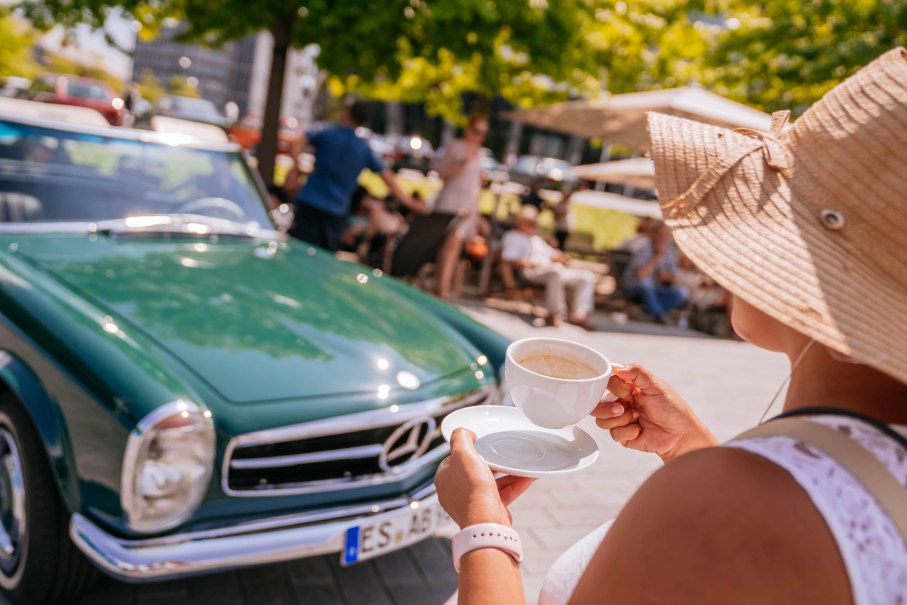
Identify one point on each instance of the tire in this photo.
(39, 564)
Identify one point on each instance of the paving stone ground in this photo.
(420, 575)
(728, 383)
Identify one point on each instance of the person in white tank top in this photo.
(461, 170)
(805, 226)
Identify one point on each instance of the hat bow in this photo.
(774, 152)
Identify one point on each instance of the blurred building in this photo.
(237, 71)
(219, 74)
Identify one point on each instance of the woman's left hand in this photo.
(467, 488)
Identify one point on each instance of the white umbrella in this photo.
(636, 172)
(613, 201)
(622, 118)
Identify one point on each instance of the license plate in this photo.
(393, 532)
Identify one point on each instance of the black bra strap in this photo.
(828, 411)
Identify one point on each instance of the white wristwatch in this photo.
(486, 535)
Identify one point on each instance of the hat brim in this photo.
(766, 243)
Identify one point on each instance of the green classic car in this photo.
(183, 389)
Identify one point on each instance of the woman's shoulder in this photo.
(716, 526)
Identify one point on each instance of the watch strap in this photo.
(486, 535)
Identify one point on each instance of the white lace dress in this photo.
(873, 551)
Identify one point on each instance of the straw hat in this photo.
(808, 222)
(528, 213)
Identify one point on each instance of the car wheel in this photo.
(38, 561)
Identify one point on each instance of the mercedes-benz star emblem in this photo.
(408, 442)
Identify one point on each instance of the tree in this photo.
(16, 40)
(150, 87)
(62, 65)
(369, 41)
(526, 51)
(771, 55)
(786, 54)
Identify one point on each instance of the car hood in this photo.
(259, 321)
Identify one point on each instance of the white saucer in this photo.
(511, 444)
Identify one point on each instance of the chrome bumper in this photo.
(256, 543)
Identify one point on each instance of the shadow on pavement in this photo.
(599, 321)
(420, 575)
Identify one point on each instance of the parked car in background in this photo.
(552, 170)
(411, 151)
(78, 91)
(379, 144)
(246, 132)
(190, 108)
(185, 390)
(492, 169)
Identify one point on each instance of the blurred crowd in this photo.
(334, 211)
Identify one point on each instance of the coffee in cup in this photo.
(557, 367)
(554, 382)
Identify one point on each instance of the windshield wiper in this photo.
(179, 225)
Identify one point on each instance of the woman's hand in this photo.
(650, 416)
(467, 488)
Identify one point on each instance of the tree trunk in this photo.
(267, 148)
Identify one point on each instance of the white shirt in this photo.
(518, 246)
(461, 191)
(874, 553)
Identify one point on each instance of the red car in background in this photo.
(247, 132)
(79, 91)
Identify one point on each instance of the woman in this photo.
(461, 171)
(805, 227)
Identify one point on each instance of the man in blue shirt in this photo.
(322, 204)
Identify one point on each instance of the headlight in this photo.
(167, 466)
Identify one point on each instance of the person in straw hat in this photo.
(805, 226)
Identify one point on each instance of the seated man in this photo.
(369, 227)
(539, 263)
(651, 273)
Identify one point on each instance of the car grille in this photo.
(342, 452)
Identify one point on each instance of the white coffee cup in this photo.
(554, 382)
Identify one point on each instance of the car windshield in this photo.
(47, 174)
(87, 91)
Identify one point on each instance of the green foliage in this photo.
(787, 53)
(16, 40)
(150, 88)
(647, 43)
(783, 53)
(407, 49)
(528, 52)
(179, 85)
(61, 65)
